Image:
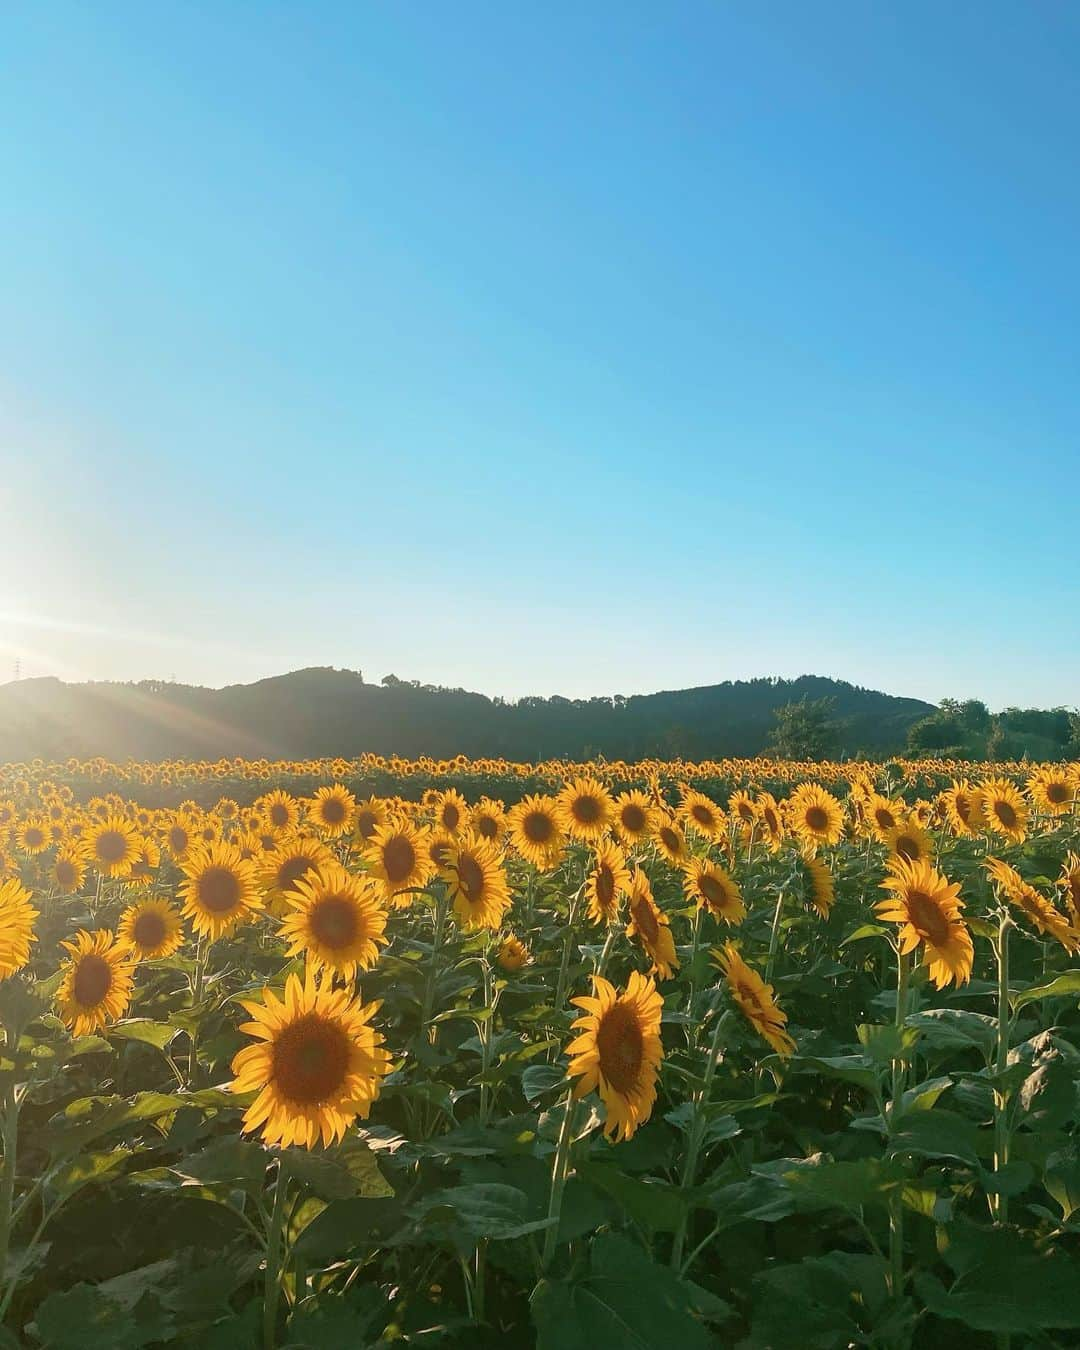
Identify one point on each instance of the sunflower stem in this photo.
(609, 942)
(999, 1204)
(485, 1028)
(896, 1200)
(559, 1170)
(274, 1243)
(196, 998)
(774, 937)
(10, 1135)
(698, 1124)
(564, 965)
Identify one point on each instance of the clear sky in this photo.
(576, 348)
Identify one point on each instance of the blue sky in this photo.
(564, 348)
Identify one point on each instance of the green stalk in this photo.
(441, 906)
(7, 1174)
(999, 1208)
(559, 1170)
(275, 1236)
(774, 937)
(564, 965)
(197, 987)
(485, 1029)
(896, 1200)
(697, 1135)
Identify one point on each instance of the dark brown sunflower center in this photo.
(907, 846)
(178, 839)
(714, 891)
(65, 872)
(772, 821)
(605, 885)
(93, 979)
(1005, 813)
(148, 930)
(470, 877)
(279, 814)
(963, 806)
(538, 827)
(310, 1060)
(1056, 793)
(219, 890)
(633, 818)
(333, 921)
(817, 818)
(399, 859)
(670, 839)
(451, 816)
(111, 846)
(645, 919)
(884, 818)
(586, 810)
(35, 837)
(333, 810)
(292, 869)
(701, 814)
(366, 824)
(488, 827)
(927, 918)
(621, 1047)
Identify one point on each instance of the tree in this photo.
(805, 730)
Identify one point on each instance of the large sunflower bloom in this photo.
(755, 999)
(650, 925)
(909, 841)
(1052, 791)
(337, 920)
(670, 840)
(150, 929)
(220, 889)
(112, 847)
(1004, 809)
(280, 810)
(618, 1050)
(815, 815)
(700, 813)
(535, 830)
(707, 884)
(607, 882)
(295, 857)
(397, 856)
(633, 818)
(17, 915)
(68, 871)
(929, 910)
(318, 1064)
(450, 810)
(96, 980)
(370, 814)
(476, 882)
(1044, 916)
(488, 819)
(332, 810)
(883, 816)
(962, 804)
(585, 809)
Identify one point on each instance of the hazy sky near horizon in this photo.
(568, 348)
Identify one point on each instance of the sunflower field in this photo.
(582, 1057)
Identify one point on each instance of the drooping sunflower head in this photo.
(17, 916)
(607, 882)
(535, 830)
(708, 884)
(476, 882)
(317, 1064)
(331, 810)
(220, 889)
(512, 954)
(815, 883)
(651, 926)
(962, 807)
(1040, 912)
(585, 809)
(928, 909)
(617, 1051)
(1004, 809)
(95, 986)
(815, 815)
(338, 921)
(771, 821)
(755, 999)
(633, 817)
(398, 857)
(1069, 881)
(700, 814)
(151, 930)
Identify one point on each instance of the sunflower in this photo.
(617, 1051)
(32, 835)
(147, 861)
(608, 880)
(337, 920)
(815, 815)
(476, 883)
(1052, 791)
(771, 821)
(700, 814)
(17, 915)
(296, 856)
(96, 980)
(1069, 881)
(280, 810)
(883, 815)
(815, 884)
(437, 845)
(755, 999)
(318, 1064)
(670, 840)
(332, 810)
(220, 890)
(112, 847)
(178, 837)
(929, 910)
(1004, 809)
(1044, 916)
(488, 819)
(741, 808)
(535, 830)
(962, 805)
(909, 841)
(585, 809)
(397, 856)
(68, 870)
(707, 884)
(633, 817)
(651, 926)
(370, 814)
(150, 929)
(451, 810)
(512, 954)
